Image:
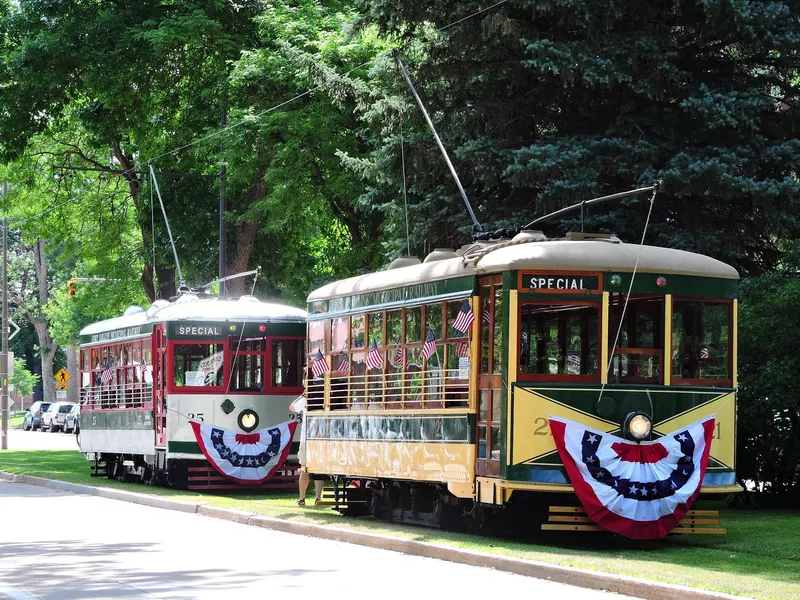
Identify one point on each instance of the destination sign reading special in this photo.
(560, 282)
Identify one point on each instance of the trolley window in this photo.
(287, 363)
(701, 342)
(638, 355)
(197, 365)
(559, 342)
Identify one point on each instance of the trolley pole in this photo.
(4, 355)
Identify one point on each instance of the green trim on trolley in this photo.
(419, 293)
(117, 335)
(184, 448)
(194, 448)
(677, 285)
(450, 429)
(117, 420)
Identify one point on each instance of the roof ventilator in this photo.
(440, 254)
(403, 261)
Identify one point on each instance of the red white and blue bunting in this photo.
(248, 458)
(640, 491)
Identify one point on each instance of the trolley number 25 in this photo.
(198, 416)
(543, 428)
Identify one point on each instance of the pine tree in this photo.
(543, 104)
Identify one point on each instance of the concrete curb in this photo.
(629, 586)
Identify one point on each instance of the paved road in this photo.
(70, 546)
(36, 440)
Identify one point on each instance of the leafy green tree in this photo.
(133, 81)
(315, 223)
(22, 379)
(542, 104)
(768, 451)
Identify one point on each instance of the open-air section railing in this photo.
(388, 391)
(117, 396)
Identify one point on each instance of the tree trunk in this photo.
(74, 372)
(245, 239)
(165, 276)
(46, 345)
(245, 236)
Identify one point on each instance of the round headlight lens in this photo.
(248, 420)
(638, 426)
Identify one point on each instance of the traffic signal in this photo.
(71, 288)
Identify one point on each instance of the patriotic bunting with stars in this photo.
(247, 458)
(640, 491)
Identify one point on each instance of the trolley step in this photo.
(99, 468)
(574, 518)
(206, 478)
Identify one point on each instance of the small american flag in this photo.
(344, 366)
(374, 358)
(106, 375)
(462, 349)
(429, 347)
(400, 357)
(465, 318)
(143, 369)
(704, 353)
(487, 316)
(319, 365)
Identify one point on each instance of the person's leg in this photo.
(318, 485)
(303, 486)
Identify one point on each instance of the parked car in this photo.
(72, 422)
(33, 416)
(53, 417)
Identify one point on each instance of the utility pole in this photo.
(4, 355)
(223, 202)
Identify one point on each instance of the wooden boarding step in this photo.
(573, 518)
(99, 468)
(206, 478)
(347, 497)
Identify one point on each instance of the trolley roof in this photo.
(191, 308)
(601, 254)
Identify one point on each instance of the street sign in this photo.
(62, 377)
(16, 330)
(61, 393)
(62, 387)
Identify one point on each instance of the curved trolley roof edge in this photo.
(200, 309)
(603, 255)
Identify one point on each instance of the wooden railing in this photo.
(400, 390)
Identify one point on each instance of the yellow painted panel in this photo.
(407, 460)
(531, 434)
(722, 448)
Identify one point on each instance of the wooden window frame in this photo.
(706, 382)
(549, 378)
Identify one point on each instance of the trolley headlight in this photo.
(637, 426)
(248, 420)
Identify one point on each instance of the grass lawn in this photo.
(16, 421)
(758, 558)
